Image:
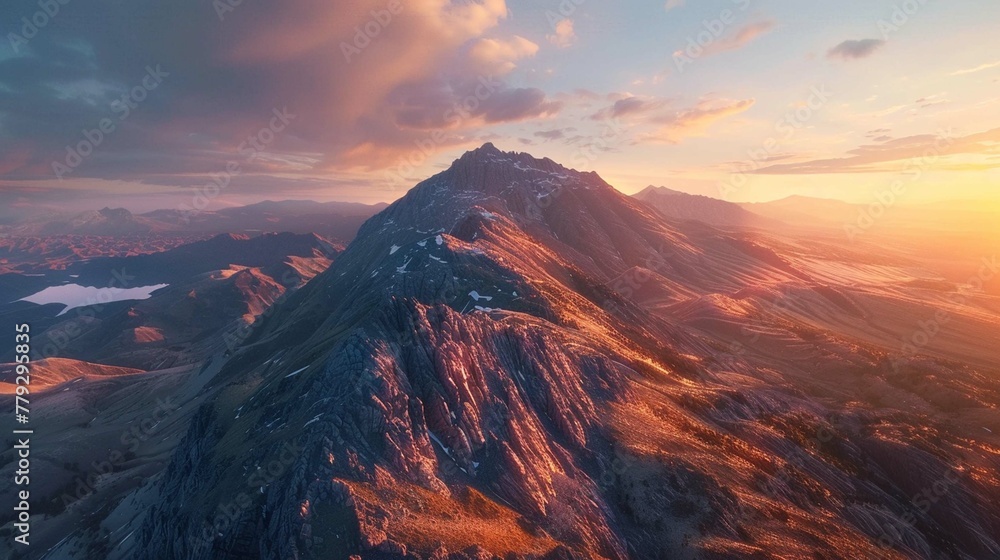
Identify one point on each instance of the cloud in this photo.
(665, 123)
(498, 55)
(554, 134)
(854, 49)
(362, 98)
(510, 105)
(886, 155)
(879, 135)
(585, 94)
(931, 101)
(890, 110)
(435, 107)
(628, 106)
(740, 37)
(694, 120)
(979, 68)
(671, 4)
(564, 35)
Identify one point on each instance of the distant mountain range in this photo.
(338, 220)
(106, 221)
(677, 205)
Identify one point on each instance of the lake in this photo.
(75, 295)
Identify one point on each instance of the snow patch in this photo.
(438, 441)
(475, 295)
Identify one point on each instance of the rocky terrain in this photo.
(515, 360)
(34, 255)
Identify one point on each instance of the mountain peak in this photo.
(538, 194)
(487, 151)
(489, 155)
(654, 190)
(114, 212)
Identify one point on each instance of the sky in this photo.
(148, 104)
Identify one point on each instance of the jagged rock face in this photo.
(463, 376)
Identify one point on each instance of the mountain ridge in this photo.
(482, 340)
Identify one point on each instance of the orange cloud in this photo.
(630, 106)
(740, 37)
(925, 149)
(979, 68)
(498, 55)
(564, 35)
(695, 120)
